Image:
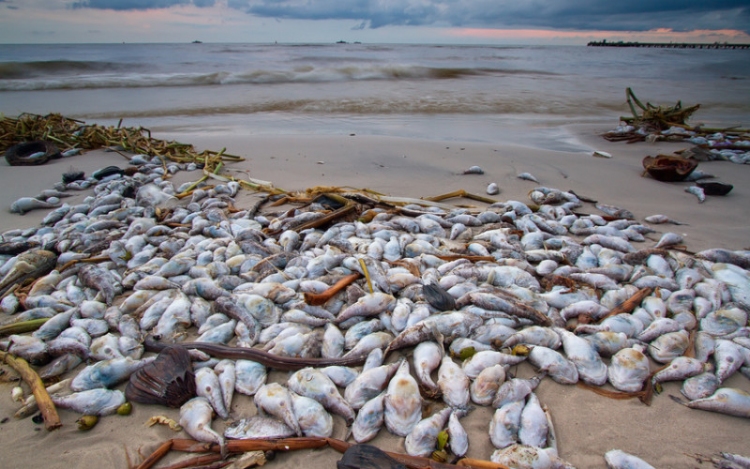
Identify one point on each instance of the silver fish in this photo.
(314, 420)
(679, 369)
(628, 370)
(369, 384)
(258, 426)
(515, 389)
(422, 438)
(458, 438)
(195, 417)
(207, 385)
(369, 419)
(528, 456)
(27, 204)
(453, 383)
(533, 430)
(106, 373)
(618, 459)
(427, 357)
(698, 192)
(729, 401)
(700, 386)
(484, 387)
(249, 376)
(276, 400)
(505, 423)
(91, 402)
(589, 364)
(312, 383)
(403, 403)
(554, 364)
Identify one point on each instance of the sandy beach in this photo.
(587, 425)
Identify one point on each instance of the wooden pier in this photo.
(670, 45)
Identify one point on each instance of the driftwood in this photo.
(317, 299)
(293, 444)
(43, 401)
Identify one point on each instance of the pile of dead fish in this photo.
(496, 286)
(716, 146)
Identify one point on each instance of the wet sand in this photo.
(587, 425)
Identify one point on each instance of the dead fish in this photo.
(534, 429)
(403, 403)
(589, 364)
(679, 369)
(458, 439)
(312, 383)
(484, 387)
(493, 189)
(728, 401)
(427, 357)
(98, 401)
(276, 400)
(249, 376)
(102, 280)
(258, 426)
(615, 212)
(453, 383)
(531, 457)
(422, 438)
(618, 459)
(669, 346)
(369, 305)
(515, 390)
(195, 418)
(28, 265)
(527, 177)
(629, 369)
(668, 240)
(474, 170)
(369, 419)
(314, 420)
(106, 373)
(659, 219)
(227, 374)
(505, 423)
(554, 364)
(27, 204)
(700, 386)
(698, 192)
(369, 384)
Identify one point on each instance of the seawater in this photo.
(492, 94)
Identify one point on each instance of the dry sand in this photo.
(587, 425)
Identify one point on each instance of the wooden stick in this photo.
(196, 461)
(160, 452)
(242, 446)
(46, 406)
(480, 464)
(317, 299)
(630, 304)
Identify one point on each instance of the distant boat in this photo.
(340, 42)
(197, 42)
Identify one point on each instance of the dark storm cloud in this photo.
(139, 4)
(634, 15)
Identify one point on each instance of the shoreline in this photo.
(587, 425)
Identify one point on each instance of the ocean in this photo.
(523, 95)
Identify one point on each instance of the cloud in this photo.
(635, 15)
(585, 15)
(123, 5)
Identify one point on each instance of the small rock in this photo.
(493, 189)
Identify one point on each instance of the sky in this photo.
(374, 21)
